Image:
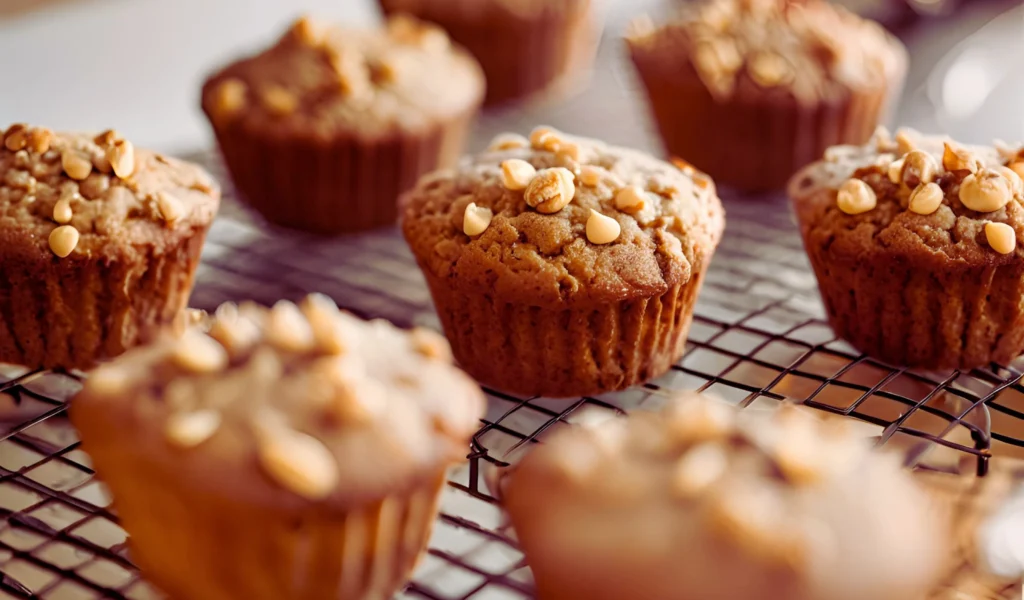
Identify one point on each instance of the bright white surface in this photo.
(137, 65)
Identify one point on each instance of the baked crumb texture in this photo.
(561, 265)
(913, 239)
(532, 50)
(323, 130)
(98, 244)
(335, 432)
(751, 91)
(700, 500)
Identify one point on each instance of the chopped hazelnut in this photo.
(590, 175)
(541, 137)
(602, 229)
(62, 211)
(324, 318)
(1018, 168)
(568, 150)
(683, 165)
(189, 429)
(63, 240)
(16, 137)
(122, 158)
(508, 141)
(308, 31)
(288, 329)
(516, 174)
(278, 101)
(76, 164)
(236, 332)
(895, 171)
(918, 167)
(630, 199)
(904, 145)
(856, 197)
(229, 98)
(39, 140)
(171, 209)
(959, 159)
(1016, 182)
(1001, 237)
(551, 190)
(197, 352)
(925, 199)
(698, 469)
(430, 344)
(299, 462)
(985, 191)
(107, 138)
(476, 219)
(769, 69)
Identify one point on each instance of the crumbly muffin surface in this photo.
(735, 500)
(292, 404)
(319, 80)
(924, 199)
(563, 219)
(70, 194)
(810, 49)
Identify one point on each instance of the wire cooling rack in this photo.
(758, 337)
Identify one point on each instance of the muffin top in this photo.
(810, 49)
(780, 493)
(557, 219)
(924, 199)
(85, 196)
(320, 81)
(292, 404)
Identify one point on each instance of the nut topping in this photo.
(895, 171)
(171, 209)
(62, 211)
(16, 137)
(769, 69)
(1001, 237)
(985, 191)
(39, 140)
(1016, 182)
(322, 313)
(430, 344)
(76, 164)
(856, 197)
(590, 175)
(288, 329)
(508, 141)
(122, 158)
(602, 229)
(197, 352)
(698, 469)
(476, 219)
(278, 101)
(229, 98)
(551, 190)
(298, 462)
(63, 240)
(926, 199)
(904, 145)
(959, 159)
(516, 174)
(188, 430)
(630, 199)
(918, 167)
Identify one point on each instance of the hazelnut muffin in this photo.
(292, 452)
(700, 500)
(752, 90)
(914, 244)
(99, 244)
(561, 266)
(527, 48)
(325, 129)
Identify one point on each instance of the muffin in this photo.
(324, 130)
(99, 244)
(563, 266)
(295, 452)
(914, 244)
(527, 48)
(750, 91)
(702, 501)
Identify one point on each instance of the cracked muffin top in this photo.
(924, 199)
(75, 195)
(557, 219)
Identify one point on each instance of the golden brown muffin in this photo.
(293, 452)
(914, 243)
(752, 90)
(325, 129)
(701, 501)
(99, 243)
(527, 48)
(564, 266)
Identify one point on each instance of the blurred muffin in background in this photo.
(290, 452)
(702, 501)
(752, 90)
(99, 244)
(528, 48)
(325, 129)
(914, 244)
(562, 266)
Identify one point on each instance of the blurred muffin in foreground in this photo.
(702, 501)
(325, 129)
(99, 244)
(528, 48)
(562, 266)
(914, 244)
(292, 452)
(752, 90)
